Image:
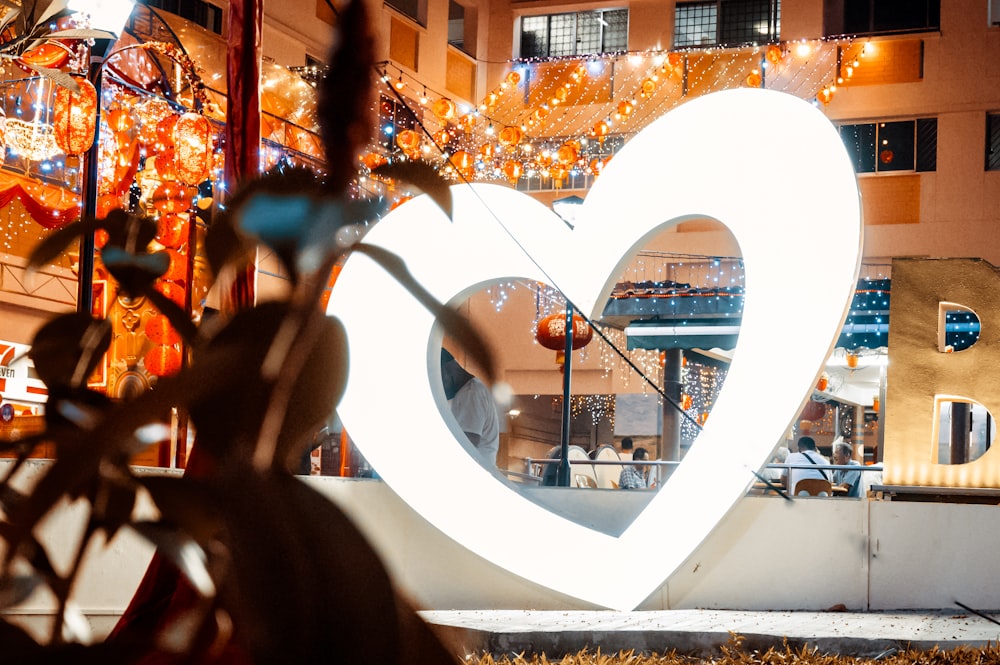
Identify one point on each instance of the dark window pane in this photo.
(993, 142)
(860, 143)
(865, 17)
(588, 33)
(927, 144)
(695, 24)
(615, 31)
(744, 21)
(895, 146)
(562, 34)
(534, 36)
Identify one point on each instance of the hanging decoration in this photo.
(192, 140)
(75, 117)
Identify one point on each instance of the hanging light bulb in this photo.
(423, 96)
(399, 85)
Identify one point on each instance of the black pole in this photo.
(562, 479)
(85, 268)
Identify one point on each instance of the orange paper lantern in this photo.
(512, 170)
(512, 78)
(105, 204)
(159, 331)
(625, 108)
(442, 137)
(192, 148)
(373, 160)
(171, 230)
(163, 360)
(813, 411)
(487, 150)
(464, 162)
(172, 197)
(773, 54)
(551, 332)
(510, 136)
(567, 154)
(444, 108)
(686, 402)
(753, 79)
(75, 117)
(408, 140)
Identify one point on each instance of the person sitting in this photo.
(807, 454)
(846, 479)
(635, 476)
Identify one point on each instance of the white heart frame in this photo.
(769, 166)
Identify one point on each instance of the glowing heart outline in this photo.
(731, 139)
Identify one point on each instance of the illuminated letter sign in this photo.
(919, 374)
(800, 237)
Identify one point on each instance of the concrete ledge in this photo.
(702, 632)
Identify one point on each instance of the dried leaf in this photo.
(16, 589)
(423, 176)
(180, 549)
(57, 76)
(66, 350)
(454, 324)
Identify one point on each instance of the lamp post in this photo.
(109, 16)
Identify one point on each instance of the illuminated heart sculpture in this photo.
(770, 167)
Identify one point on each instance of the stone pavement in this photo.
(701, 632)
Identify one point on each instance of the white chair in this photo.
(607, 474)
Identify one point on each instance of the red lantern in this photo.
(165, 133)
(75, 117)
(192, 148)
(171, 197)
(163, 360)
(105, 204)
(177, 270)
(171, 231)
(119, 120)
(159, 331)
(101, 238)
(164, 165)
(48, 54)
(551, 332)
(813, 411)
(173, 292)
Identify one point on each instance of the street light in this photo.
(108, 16)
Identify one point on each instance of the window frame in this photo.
(921, 151)
(602, 37)
(839, 20)
(725, 19)
(992, 157)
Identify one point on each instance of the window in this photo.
(993, 141)
(873, 17)
(203, 13)
(415, 9)
(883, 147)
(393, 118)
(582, 33)
(726, 22)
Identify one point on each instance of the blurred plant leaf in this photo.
(225, 246)
(16, 589)
(134, 272)
(67, 349)
(423, 176)
(112, 507)
(181, 550)
(453, 323)
(125, 231)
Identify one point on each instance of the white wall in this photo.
(767, 554)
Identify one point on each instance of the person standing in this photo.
(473, 407)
